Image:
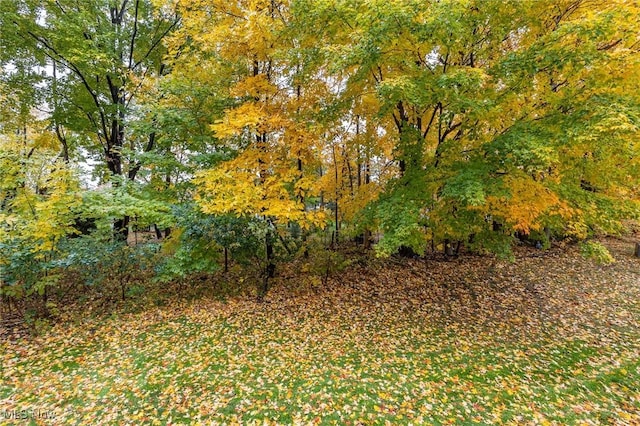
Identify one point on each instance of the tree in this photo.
(100, 54)
(486, 102)
(271, 172)
(38, 195)
(437, 122)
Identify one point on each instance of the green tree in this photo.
(99, 56)
(499, 113)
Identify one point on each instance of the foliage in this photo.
(100, 262)
(467, 129)
(38, 194)
(25, 273)
(103, 54)
(108, 203)
(494, 135)
(198, 242)
(550, 339)
(430, 125)
(597, 252)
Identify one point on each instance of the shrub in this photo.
(597, 252)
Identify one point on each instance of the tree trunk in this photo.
(367, 180)
(637, 251)
(158, 232)
(448, 248)
(121, 229)
(337, 196)
(114, 164)
(367, 239)
(270, 267)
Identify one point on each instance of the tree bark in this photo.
(637, 251)
(270, 267)
(158, 232)
(121, 229)
(337, 195)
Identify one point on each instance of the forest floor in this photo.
(549, 339)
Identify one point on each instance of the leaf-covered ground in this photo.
(549, 339)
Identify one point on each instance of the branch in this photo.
(397, 121)
(150, 144)
(451, 129)
(134, 33)
(56, 56)
(610, 45)
(433, 115)
(122, 9)
(157, 42)
(114, 90)
(60, 7)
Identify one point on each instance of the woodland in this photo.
(320, 212)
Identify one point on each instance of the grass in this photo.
(392, 344)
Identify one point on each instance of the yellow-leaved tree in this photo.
(442, 124)
(38, 194)
(268, 124)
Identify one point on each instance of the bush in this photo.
(106, 263)
(25, 271)
(597, 252)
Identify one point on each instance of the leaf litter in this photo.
(549, 339)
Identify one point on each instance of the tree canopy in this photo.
(429, 124)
